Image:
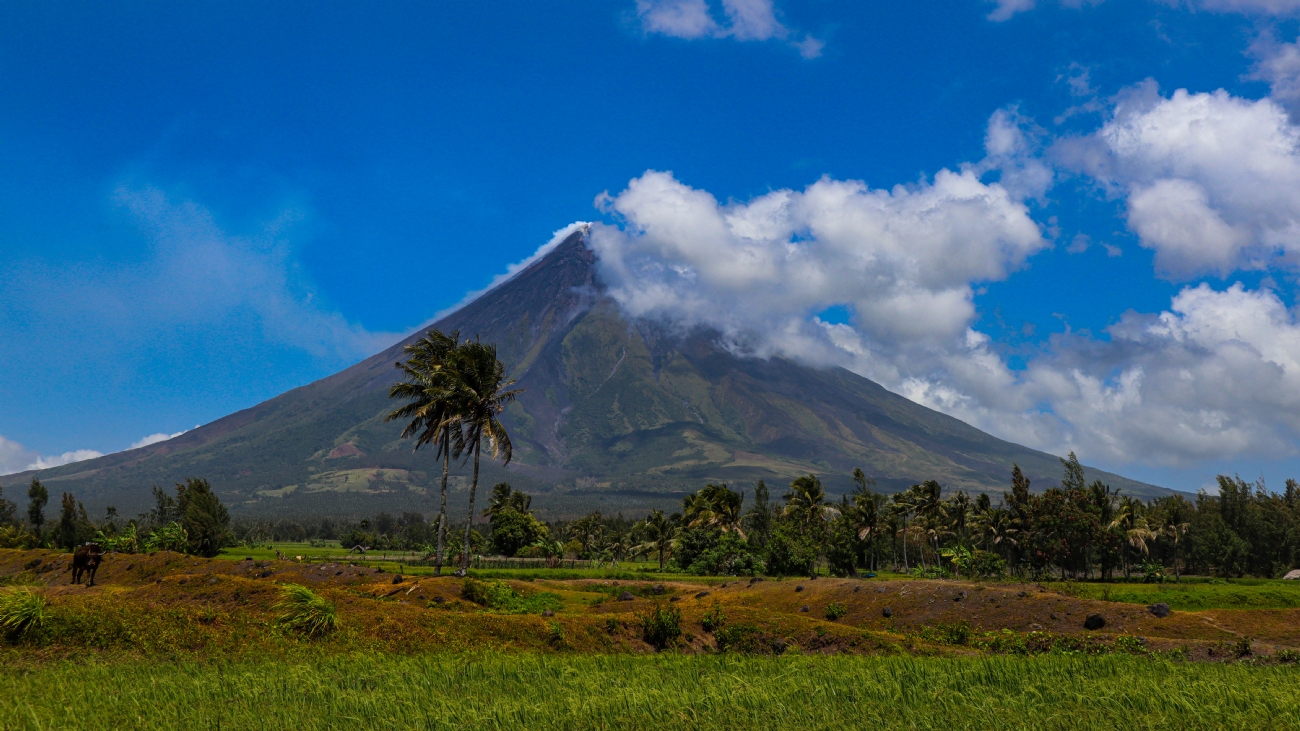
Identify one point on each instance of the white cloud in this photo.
(1005, 9)
(676, 18)
(1279, 65)
(746, 20)
(79, 455)
(902, 260)
(200, 272)
(14, 457)
(1250, 7)
(156, 438)
(1212, 181)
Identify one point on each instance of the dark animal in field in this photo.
(86, 559)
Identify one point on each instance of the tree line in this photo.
(192, 520)
(1074, 530)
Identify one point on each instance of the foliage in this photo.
(37, 497)
(74, 527)
(835, 610)
(714, 619)
(170, 537)
(17, 536)
(499, 596)
(128, 541)
(304, 611)
(8, 511)
(727, 555)
(21, 610)
(661, 626)
(513, 529)
(790, 552)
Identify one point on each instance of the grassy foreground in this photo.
(497, 691)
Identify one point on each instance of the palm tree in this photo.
(506, 498)
(551, 549)
(1172, 525)
(431, 394)
(901, 508)
(482, 392)
(929, 505)
(865, 514)
(660, 534)
(715, 506)
(807, 501)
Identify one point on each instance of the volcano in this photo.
(617, 414)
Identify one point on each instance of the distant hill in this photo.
(617, 415)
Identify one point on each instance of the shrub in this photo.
(170, 537)
(305, 611)
(661, 626)
(714, 619)
(20, 610)
(555, 635)
(835, 610)
(789, 553)
(957, 633)
(729, 556)
(498, 596)
(1130, 644)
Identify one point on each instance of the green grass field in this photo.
(654, 692)
(1193, 593)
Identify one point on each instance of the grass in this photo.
(1193, 593)
(304, 611)
(364, 691)
(21, 609)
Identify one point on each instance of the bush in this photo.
(749, 639)
(305, 611)
(835, 610)
(790, 554)
(21, 610)
(714, 619)
(498, 596)
(661, 626)
(1130, 645)
(728, 556)
(170, 537)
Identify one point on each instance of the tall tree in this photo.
(759, 517)
(483, 392)
(659, 533)
(205, 520)
(37, 497)
(432, 409)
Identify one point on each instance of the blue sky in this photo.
(202, 207)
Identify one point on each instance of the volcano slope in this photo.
(615, 415)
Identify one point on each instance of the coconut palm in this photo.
(715, 506)
(482, 391)
(659, 533)
(506, 498)
(865, 514)
(431, 408)
(902, 507)
(806, 502)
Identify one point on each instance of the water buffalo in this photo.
(86, 558)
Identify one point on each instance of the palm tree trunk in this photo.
(442, 512)
(469, 522)
(1177, 578)
(906, 568)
